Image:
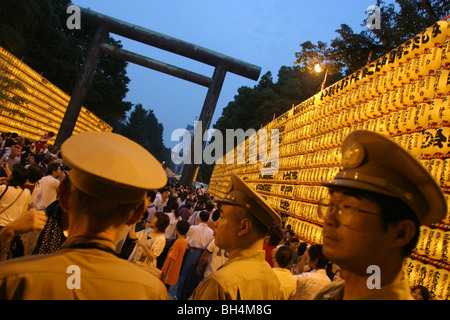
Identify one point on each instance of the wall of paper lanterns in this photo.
(44, 105)
(404, 94)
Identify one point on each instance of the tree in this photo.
(349, 51)
(36, 31)
(143, 127)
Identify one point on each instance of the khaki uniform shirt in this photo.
(245, 276)
(397, 290)
(78, 273)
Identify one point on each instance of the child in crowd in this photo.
(172, 265)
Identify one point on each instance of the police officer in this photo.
(109, 179)
(244, 221)
(371, 220)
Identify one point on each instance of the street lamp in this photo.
(318, 69)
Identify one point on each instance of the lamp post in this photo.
(318, 69)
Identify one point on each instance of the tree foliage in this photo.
(143, 128)
(36, 31)
(349, 51)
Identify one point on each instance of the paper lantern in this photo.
(409, 266)
(444, 108)
(426, 88)
(410, 115)
(435, 248)
(445, 56)
(389, 79)
(423, 68)
(441, 290)
(433, 113)
(400, 57)
(434, 57)
(442, 141)
(446, 247)
(442, 85)
(446, 220)
(428, 275)
(436, 170)
(408, 71)
(411, 93)
(428, 142)
(415, 143)
(413, 70)
(446, 173)
(402, 124)
(421, 119)
(417, 47)
(438, 33)
(422, 275)
(397, 79)
(423, 240)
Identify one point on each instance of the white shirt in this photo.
(44, 193)
(199, 236)
(288, 282)
(171, 229)
(217, 259)
(17, 208)
(309, 284)
(160, 203)
(155, 245)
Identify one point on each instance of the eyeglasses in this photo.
(343, 210)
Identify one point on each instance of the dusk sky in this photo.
(266, 33)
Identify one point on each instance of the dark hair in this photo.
(47, 159)
(204, 216)
(302, 248)
(393, 209)
(188, 204)
(162, 190)
(52, 167)
(294, 240)
(283, 256)
(424, 291)
(216, 215)
(315, 253)
(35, 173)
(163, 221)
(144, 217)
(152, 195)
(275, 234)
(19, 176)
(183, 227)
(209, 205)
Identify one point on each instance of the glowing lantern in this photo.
(428, 141)
(445, 56)
(442, 84)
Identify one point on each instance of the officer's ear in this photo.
(63, 193)
(403, 232)
(245, 226)
(137, 213)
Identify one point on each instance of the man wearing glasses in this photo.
(371, 220)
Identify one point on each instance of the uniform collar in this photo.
(89, 243)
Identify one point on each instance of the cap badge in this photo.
(353, 155)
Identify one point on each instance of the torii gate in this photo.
(106, 24)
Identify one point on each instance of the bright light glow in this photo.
(318, 68)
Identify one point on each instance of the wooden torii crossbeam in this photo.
(106, 25)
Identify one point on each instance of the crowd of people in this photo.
(150, 239)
